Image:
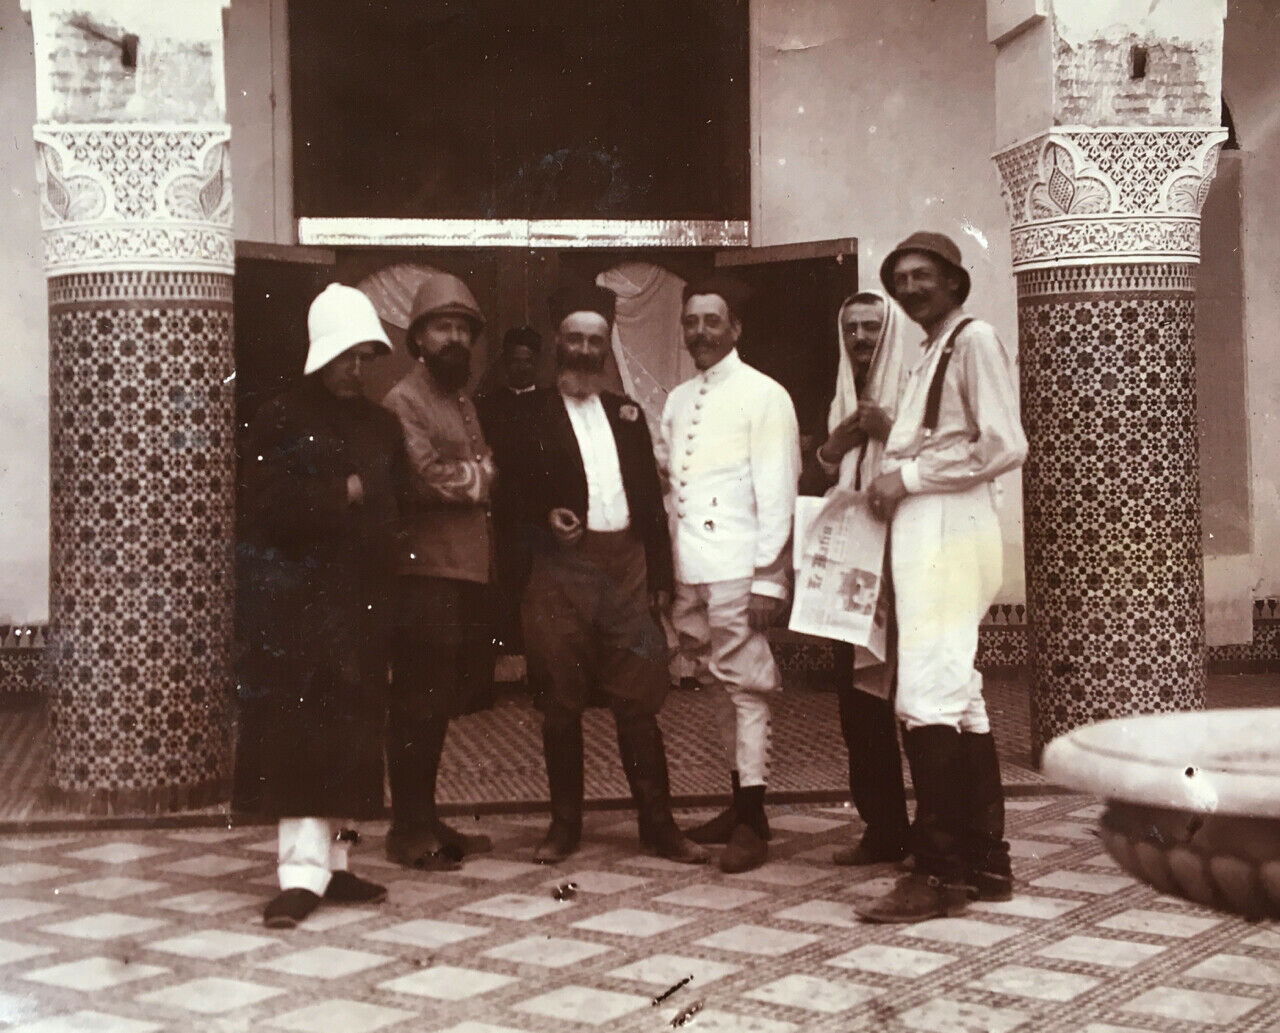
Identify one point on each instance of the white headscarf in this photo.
(884, 382)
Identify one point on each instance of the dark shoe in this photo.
(423, 850)
(720, 828)
(915, 898)
(990, 886)
(561, 841)
(289, 907)
(669, 842)
(345, 888)
(745, 851)
(863, 854)
(717, 830)
(461, 842)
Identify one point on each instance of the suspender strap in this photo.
(934, 398)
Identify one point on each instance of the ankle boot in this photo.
(720, 828)
(562, 750)
(747, 848)
(644, 760)
(986, 852)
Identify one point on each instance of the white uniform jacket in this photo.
(731, 455)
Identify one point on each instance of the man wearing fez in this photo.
(323, 468)
(733, 461)
(443, 655)
(956, 431)
(601, 575)
(506, 412)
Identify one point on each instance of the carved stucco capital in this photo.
(130, 197)
(1082, 195)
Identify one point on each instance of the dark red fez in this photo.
(581, 297)
(522, 337)
(734, 292)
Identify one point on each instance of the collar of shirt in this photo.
(722, 369)
(522, 390)
(930, 344)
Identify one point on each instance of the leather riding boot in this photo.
(986, 852)
(644, 760)
(562, 749)
(412, 840)
(938, 885)
(430, 736)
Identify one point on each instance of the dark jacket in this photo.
(316, 576)
(551, 475)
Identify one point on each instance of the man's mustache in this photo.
(581, 362)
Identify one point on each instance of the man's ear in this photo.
(735, 325)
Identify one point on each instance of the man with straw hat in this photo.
(956, 430)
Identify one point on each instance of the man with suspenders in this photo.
(956, 430)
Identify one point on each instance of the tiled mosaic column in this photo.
(1105, 243)
(135, 199)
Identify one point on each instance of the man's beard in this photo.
(579, 374)
(579, 383)
(450, 367)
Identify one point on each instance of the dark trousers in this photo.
(588, 630)
(442, 667)
(875, 768)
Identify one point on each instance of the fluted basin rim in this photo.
(1206, 762)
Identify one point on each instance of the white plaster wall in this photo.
(260, 172)
(873, 118)
(24, 367)
(1251, 84)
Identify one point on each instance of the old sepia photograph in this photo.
(734, 516)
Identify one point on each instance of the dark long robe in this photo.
(316, 591)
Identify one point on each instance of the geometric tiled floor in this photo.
(140, 931)
(493, 759)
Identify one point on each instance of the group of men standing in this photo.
(368, 541)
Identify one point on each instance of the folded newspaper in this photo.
(839, 561)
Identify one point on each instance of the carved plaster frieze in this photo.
(119, 197)
(1082, 195)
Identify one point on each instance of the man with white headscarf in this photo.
(871, 328)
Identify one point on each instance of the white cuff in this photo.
(770, 588)
(910, 472)
(829, 468)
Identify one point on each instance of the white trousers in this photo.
(711, 620)
(309, 854)
(947, 567)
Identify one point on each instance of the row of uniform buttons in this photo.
(688, 449)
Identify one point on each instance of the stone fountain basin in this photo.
(1193, 801)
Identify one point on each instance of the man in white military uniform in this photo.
(956, 431)
(732, 461)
